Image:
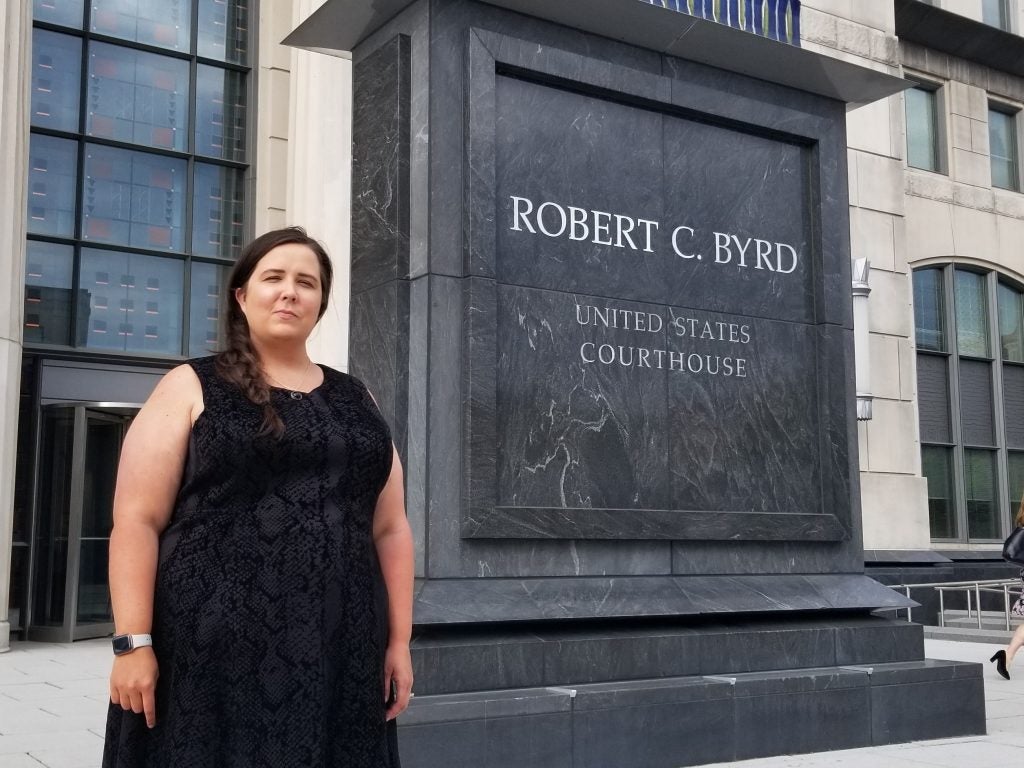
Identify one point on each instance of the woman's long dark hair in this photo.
(238, 362)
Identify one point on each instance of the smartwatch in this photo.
(123, 644)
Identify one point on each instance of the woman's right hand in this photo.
(133, 683)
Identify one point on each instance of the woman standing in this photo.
(261, 562)
(1004, 659)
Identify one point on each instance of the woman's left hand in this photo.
(397, 669)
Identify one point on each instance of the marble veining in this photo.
(380, 166)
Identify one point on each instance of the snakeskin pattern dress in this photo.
(1017, 609)
(270, 611)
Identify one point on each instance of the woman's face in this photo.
(281, 299)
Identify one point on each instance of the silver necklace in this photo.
(294, 394)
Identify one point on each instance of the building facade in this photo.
(145, 142)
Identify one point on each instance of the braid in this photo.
(240, 365)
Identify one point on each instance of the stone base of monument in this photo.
(664, 694)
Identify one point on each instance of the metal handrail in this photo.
(969, 588)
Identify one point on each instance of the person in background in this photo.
(1003, 659)
(261, 563)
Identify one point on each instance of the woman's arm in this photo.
(148, 476)
(393, 539)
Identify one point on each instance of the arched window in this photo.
(969, 327)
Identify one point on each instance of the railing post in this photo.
(1006, 605)
(977, 595)
(942, 606)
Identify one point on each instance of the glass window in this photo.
(974, 461)
(1011, 327)
(48, 295)
(217, 216)
(937, 467)
(922, 128)
(220, 113)
(56, 80)
(204, 325)
(133, 198)
(993, 12)
(971, 313)
(224, 30)
(163, 23)
(929, 310)
(982, 499)
(153, 119)
(1002, 143)
(137, 97)
(52, 171)
(67, 13)
(135, 301)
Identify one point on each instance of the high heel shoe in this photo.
(1000, 660)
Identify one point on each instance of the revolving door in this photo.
(80, 445)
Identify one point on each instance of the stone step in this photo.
(971, 634)
(697, 719)
(456, 661)
(993, 620)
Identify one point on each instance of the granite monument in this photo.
(601, 287)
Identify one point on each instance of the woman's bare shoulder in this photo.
(178, 392)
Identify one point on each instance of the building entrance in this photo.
(80, 445)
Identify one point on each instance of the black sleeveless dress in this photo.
(270, 612)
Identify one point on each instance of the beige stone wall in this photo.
(960, 216)
(268, 179)
(859, 31)
(893, 493)
(320, 175)
(14, 105)
(302, 174)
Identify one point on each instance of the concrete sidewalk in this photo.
(53, 703)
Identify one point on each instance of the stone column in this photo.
(15, 29)
(319, 186)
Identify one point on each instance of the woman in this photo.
(1004, 659)
(260, 538)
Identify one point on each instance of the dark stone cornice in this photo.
(338, 26)
(957, 35)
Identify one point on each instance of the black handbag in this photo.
(1013, 547)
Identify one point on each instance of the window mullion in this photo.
(998, 416)
(959, 483)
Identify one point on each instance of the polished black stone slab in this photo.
(380, 166)
(653, 724)
(926, 700)
(815, 711)
(691, 720)
(523, 727)
(451, 660)
(623, 409)
(462, 601)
